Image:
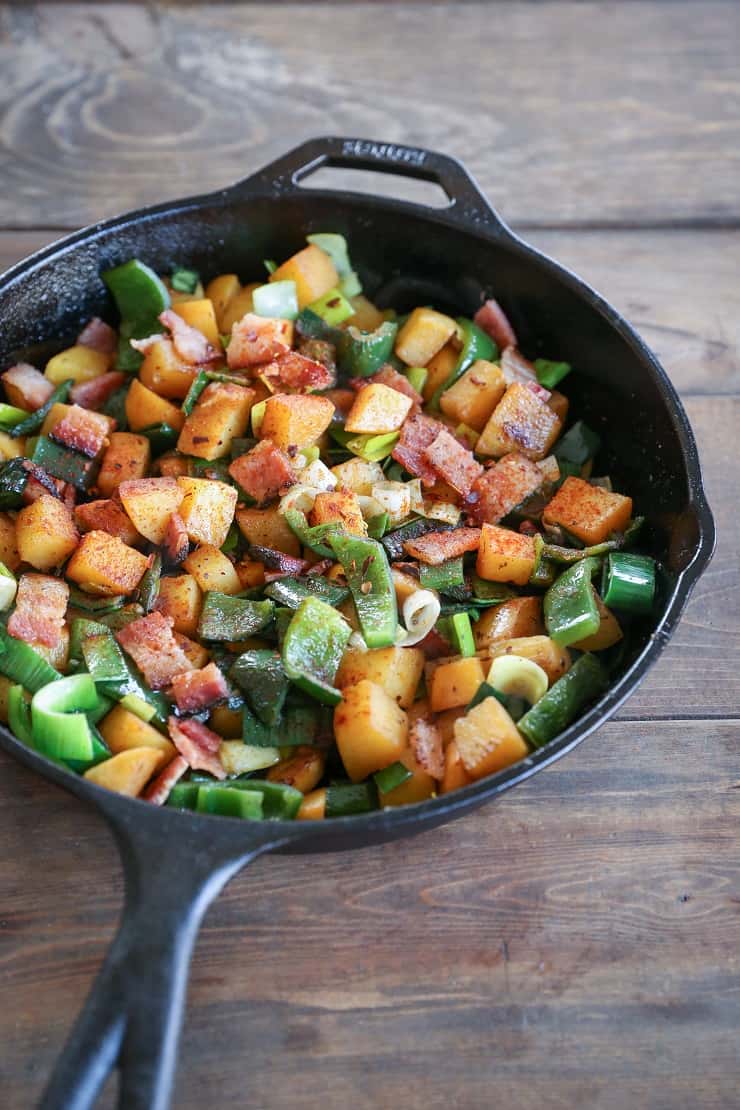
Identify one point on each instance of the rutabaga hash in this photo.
(269, 551)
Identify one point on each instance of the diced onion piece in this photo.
(357, 642)
(318, 475)
(441, 510)
(420, 614)
(369, 507)
(299, 497)
(394, 499)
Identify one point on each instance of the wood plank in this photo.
(590, 113)
(572, 947)
(679, 289)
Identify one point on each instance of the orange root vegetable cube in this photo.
(221, 292)
(439, 369)
(455, 776)
(106, 516)
(519, 617)
(474, 396)
(423, 335)
(377, 409)
(122, 730)
(521, 422)
(129, 771)
(127, 457)
(221, 413)
(398, 670)
(418, 788)
(371, 730)
(212, 570)
(103, 564)
(294, 420)
(79, 363)
(554, 659)
(313, 806)
(9, 553)
(149, 504)
(313, 272)
(455, 683)
(267, 528)
(207, 509)
(164, 372)
(302, 769)
(238, 308)
(180, 598)
(45, 533)
(144, 408)
(488, 740)
(201, 314)
(589, 512)
(250, 572)
(505, 556)
(344, 508)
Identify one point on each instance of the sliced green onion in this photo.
(10, 416)
(391, 777)
(417, 376)
(629, 582)
(346, 800)
(372, 448)
(184, 281)
(351, 285)
(333, 307)
(462, 634)
(270, 265)
(138, 707)
(336, 247)
(277, 299)
(257, 415)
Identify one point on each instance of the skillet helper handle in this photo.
(133, 1014)
(467, 202)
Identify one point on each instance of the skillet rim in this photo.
(409, 819)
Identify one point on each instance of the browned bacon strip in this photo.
(294, 371)
(93, 394)
(160, 788)
(264, 473)
(40, 605)
(435, 548)
(150, 643)
(454, 463)
(194, 690)
(82, 430)
(494, 321)
(27, 388)
(98, 335)
(256, 340)
(501, 488)
(190, 344)
(417, 433)
(197, 744)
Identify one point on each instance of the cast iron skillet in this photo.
(175, 862)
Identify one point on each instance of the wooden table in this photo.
(575, 945)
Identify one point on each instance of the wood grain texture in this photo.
(571, 112)
(572, 946)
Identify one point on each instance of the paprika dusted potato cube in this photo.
(313, 272)
(521, 422)
(488, 740)
(164, 372)
(180, 598)
(221, 413)
(439, 369)
(267, 528)
(221, 291)
(370, 729)
(474, 396)
(377, 409)
(149, 504)
(342, 508)
(207, 509)
(144, 408)
(554, 659)
(294, 420)
(398, 670)
(122, 730)
(126, 457)
(455, 683)
(212, 570)
(589, 512)
(423, 335)
(9, 553)
(513, 619)
(129, 771)
(200, 314)
(45, 533)
(505, 556)
(103, 564)
(79, 363)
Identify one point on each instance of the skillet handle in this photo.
(132, 1017)
(467, 202)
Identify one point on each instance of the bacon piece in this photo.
(190, 344)
(197, 744)
(195, 690)
(93, 394)
(108, 516)
(454, 463)
(176, 542)
(434, 645)
(27, 388)
(150, 643)
(390, 377)
(40, 483)
(502, 487)
(82, 430)
(435, 548)
(494, 321)
(517, 368)
(342, 399)
(98, 335)
(264, 472)
(160, 788)
(425, 740)
(320, 568)
(418, 433)
(256, 340)
(145, 345)
(40, 605)
(319, 350)
(277, 560)
(297, 373)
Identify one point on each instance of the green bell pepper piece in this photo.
(13, 479)
(140, 297)
(348, 799)
(184, 280)
(277, 299)
(314, 536)
(445, 577)
(313, 647)
(148, 589)
(291, 592)
(569, 606)
(377, 526)
(107, 664)
(585, 680)
(225, 617)
(183, 795)
(579, 444)
(259, 673)
(368, 574)
(550, 374)
(225, 802)
(417, 376)
(279, 801)
(361, 353)
(333, 307)
(59, 725)
(476, 344)
(162, 437)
